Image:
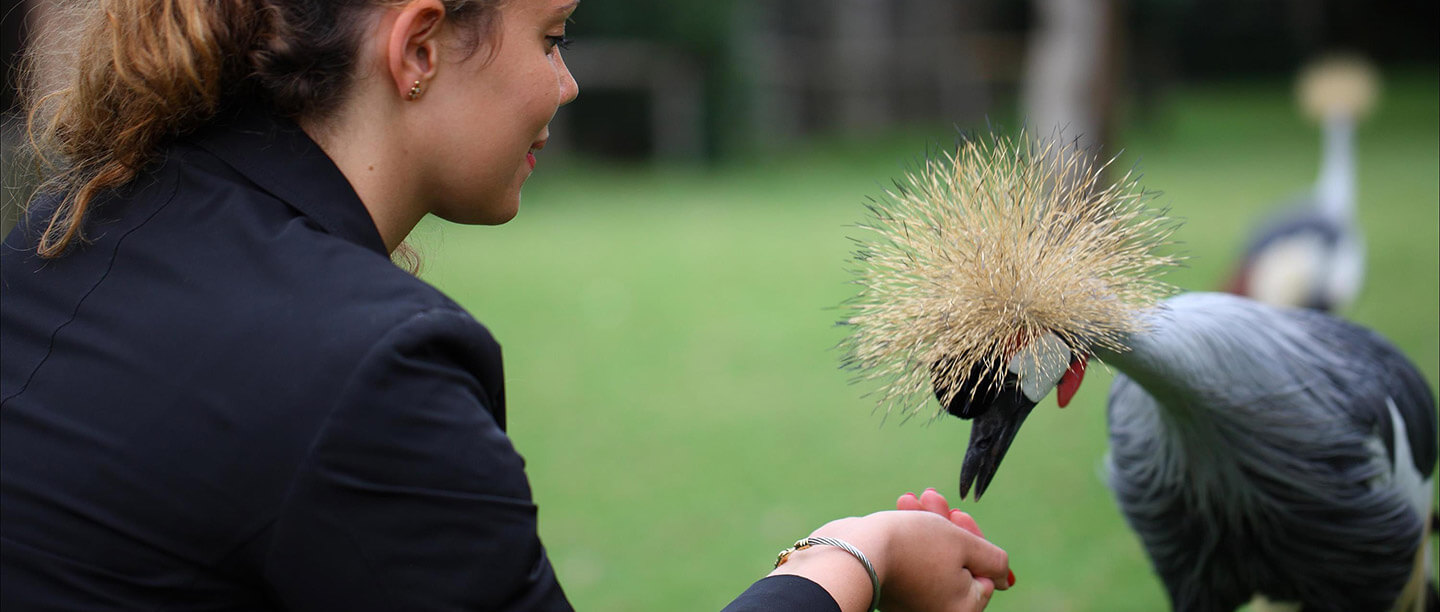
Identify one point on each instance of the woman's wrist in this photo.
(867, 534)
(836, 571)
(819, 541)
(839, 571)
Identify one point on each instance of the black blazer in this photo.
(230, 399)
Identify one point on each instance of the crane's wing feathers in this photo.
(1378, 377)
(1272, 450)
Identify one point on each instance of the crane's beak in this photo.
(997, 411)
(991, 433)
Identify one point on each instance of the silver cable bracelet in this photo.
(842, 544)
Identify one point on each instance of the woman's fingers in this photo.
(989, 564)
(964, 521)
(984, 588)
(974, 596)
(935, 502)
(988, 561)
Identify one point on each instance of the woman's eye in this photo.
(558, 41)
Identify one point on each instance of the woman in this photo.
(218, 392)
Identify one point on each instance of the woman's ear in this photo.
(411, 46)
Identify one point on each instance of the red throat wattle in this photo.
(1070, 382)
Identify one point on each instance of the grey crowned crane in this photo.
(1257, 451)
(1311, 253)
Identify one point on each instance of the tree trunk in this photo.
(1071, 70)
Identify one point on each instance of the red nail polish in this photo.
(1012, 578)
(931, 489)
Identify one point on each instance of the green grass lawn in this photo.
(672, 381)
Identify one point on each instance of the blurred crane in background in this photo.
(1259, 452)
(1311, 254)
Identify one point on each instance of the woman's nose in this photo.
(569, 88)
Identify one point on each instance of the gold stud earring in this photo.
(415, 90)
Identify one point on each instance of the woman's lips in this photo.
(534, 146)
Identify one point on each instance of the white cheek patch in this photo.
(1040, 365)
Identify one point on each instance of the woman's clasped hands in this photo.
(936, 559)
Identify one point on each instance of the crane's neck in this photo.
(1227, 397)
(1169, 359)
(1207, 367)
(1335, 187)
(1213, 352)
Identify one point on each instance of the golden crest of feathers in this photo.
(979, 252)
(1344, 85)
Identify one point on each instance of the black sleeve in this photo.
(412, 497)
(784, 592)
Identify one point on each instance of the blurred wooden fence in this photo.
(807, 66)
(843, 65)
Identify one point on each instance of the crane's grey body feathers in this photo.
(1275, 452)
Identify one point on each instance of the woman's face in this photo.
(489, 118)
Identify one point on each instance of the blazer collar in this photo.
(281, 159)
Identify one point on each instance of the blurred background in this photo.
(668, 297)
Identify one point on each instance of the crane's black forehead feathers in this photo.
(974, 393)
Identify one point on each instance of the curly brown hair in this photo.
(132, 75)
